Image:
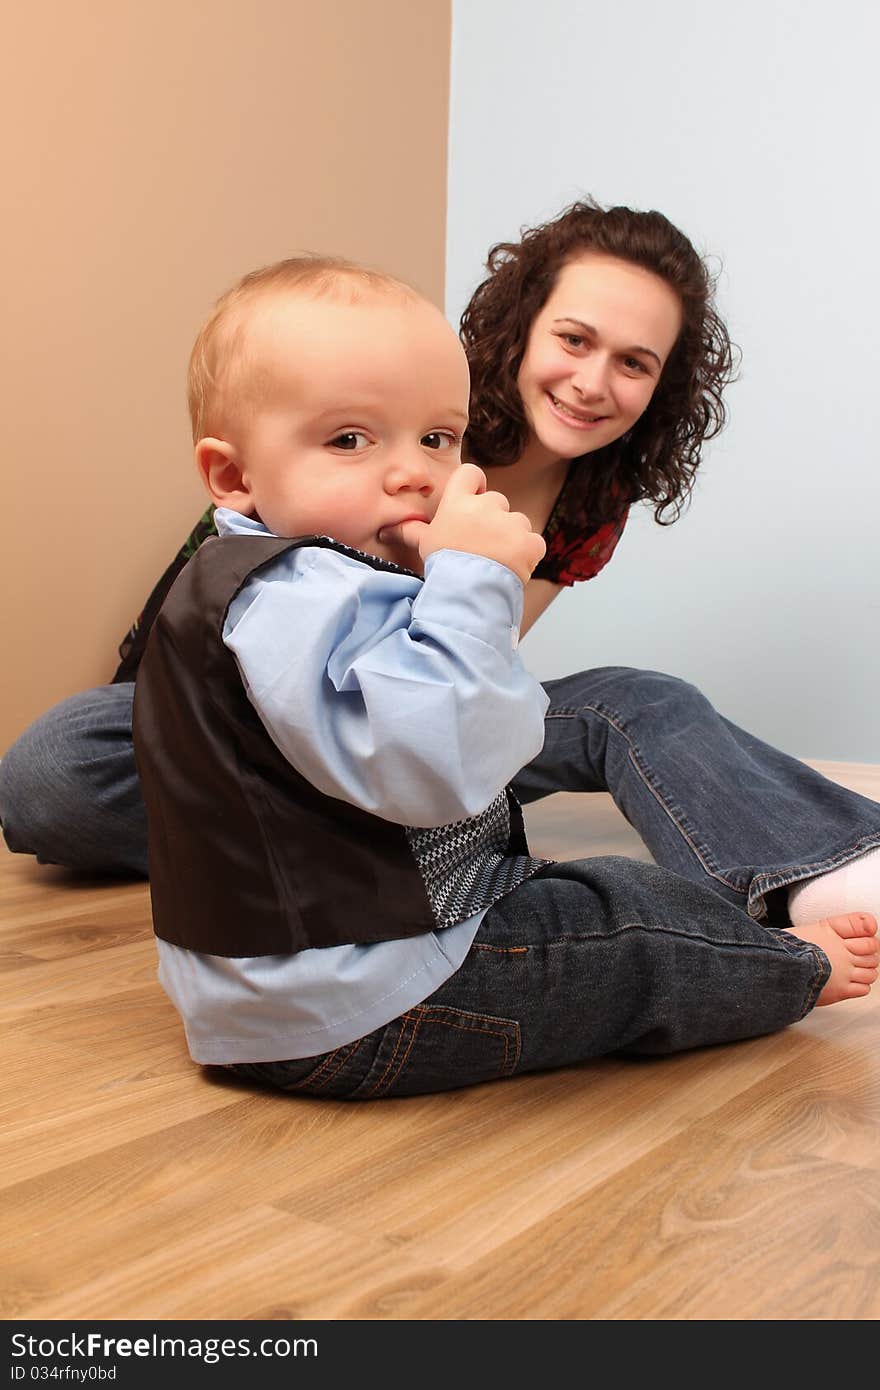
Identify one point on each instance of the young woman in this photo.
(598, 364)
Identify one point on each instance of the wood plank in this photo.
(736, 1182)
(709, 1226)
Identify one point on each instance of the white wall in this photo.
(754, 127)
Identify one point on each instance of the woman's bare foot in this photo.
(851, 945)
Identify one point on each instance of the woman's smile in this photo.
(577, 418)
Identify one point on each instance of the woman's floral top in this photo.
(579, 542)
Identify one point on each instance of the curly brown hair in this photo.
(657, 459)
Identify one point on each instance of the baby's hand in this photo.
(471, 519)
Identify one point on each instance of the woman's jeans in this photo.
(607, 954)
(711, 802)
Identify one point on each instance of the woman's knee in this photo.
(69, 792)
(623, 690)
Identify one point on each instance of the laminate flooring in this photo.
(728, 1183)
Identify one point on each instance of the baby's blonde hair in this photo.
(218, 364)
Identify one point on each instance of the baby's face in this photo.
(360, 424)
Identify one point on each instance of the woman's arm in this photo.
(539, 594)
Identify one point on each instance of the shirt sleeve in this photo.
(405, 698)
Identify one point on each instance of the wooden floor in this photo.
(732, 1183)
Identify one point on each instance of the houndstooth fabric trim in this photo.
(466, 867)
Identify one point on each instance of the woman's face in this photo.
(595, 353)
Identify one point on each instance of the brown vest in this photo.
(246, 857)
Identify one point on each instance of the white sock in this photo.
(854, 887)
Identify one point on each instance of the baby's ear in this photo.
(221, 472)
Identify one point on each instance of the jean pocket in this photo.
(435, 1048)
(429, 1048)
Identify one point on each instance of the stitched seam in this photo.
(666, 931)
(821, 981)
(420, 1016)
(767, 883)
(467, 1024)
(404, 1059)
(633, 756)
(500, 950)
(490, 1032)
(407, 1018)
(317, 1082)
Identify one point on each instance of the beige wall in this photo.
(158, 151)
